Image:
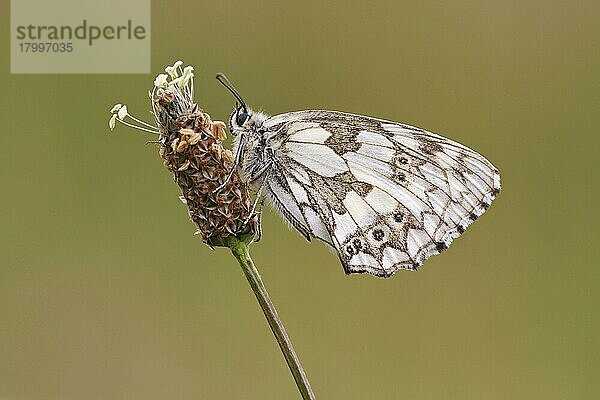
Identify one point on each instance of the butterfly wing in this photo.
(385, 195)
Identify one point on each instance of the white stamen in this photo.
(179, 81)
(153, 103)
(175, 82)
(188, 74)
(138, 127)
(192, 88)
(139, 121)
(178, 65)
(160, 80)
(112, 121)
(173, 70)
(122, 113)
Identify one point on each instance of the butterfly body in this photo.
(384, 195)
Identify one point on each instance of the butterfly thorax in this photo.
(257, 153)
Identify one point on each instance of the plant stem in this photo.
(240, 251)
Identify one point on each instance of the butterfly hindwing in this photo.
(385, 195)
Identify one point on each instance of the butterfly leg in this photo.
(236, 161)
(259, 213)
(261, 176)
(258, 202)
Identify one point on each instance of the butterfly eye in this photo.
(241, 117)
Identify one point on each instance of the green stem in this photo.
(240, 251)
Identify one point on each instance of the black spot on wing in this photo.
(398, 216)
(378, 235)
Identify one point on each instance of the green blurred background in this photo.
(106, 294)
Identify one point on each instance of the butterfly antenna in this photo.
(225, 82)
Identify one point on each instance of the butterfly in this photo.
(385, 195)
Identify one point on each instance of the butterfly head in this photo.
(243, 118)
(240, 118)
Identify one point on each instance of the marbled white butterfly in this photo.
(384, 195)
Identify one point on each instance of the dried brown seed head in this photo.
(192, 149)
(191, 146)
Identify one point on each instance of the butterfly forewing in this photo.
(385, 195)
